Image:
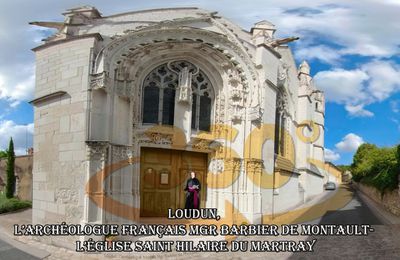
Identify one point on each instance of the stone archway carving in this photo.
(132, 47)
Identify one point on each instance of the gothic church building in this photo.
(127, 105)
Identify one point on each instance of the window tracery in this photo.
(166, 81)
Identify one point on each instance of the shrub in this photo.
(378, 167)
(3, 154)
(8, 205)
(385, 179)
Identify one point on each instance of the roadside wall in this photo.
(23, 171)
(390, 200)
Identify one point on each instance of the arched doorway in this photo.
(163, 176)
(175, 93)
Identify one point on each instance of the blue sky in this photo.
(352, 46)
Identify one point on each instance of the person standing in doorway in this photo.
(192, 192)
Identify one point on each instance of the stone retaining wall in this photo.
(23, 171)
(389, 200)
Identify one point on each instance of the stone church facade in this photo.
(127, 105)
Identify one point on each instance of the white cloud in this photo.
(328, 30)
(394, 105)
(330, 155)
(349, 143)
(358, 110)
(342, 86)
(396, 122)
(355, 27)
(17, 87)
(21, 134)
(320, 52)
(372, 82)
(393, 2)
(385, 78)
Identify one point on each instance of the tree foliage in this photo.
(344, 168)
(3, 154)
(10, 186)
(13, 204)
(379, 167)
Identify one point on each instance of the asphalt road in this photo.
(8, 252)
(382, 243)
(355, 212)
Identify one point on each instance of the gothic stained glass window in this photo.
(201, 102)
(280, 121)
(168, 106)
(205, 113)
(150, 110)
(277, 132)
(194, 106)
(160, 88)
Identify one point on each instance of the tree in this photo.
(384, 172)
(3, 154)
(363, 160)
(344, 168)
(378, 167)
(398, 156)
(10, 186)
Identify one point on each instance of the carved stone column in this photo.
(96, 160)
(254, 168)
(234, 166)
(238, 96)
(97, 157)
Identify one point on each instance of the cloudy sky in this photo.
(352, 46)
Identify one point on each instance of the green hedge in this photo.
(378, 167)
(13, 204)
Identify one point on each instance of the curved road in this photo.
(382, 243)
(9, 252)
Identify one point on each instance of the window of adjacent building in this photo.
(159, 90)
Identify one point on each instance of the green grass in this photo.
(13, 204)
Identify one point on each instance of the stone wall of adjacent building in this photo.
(23, 172)
(334, 173)
(389, 200)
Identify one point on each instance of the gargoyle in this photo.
(278, 42)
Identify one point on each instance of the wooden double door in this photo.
(163, 176)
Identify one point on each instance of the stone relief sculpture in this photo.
(283, 73)
(238, 95)
(185, 85)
